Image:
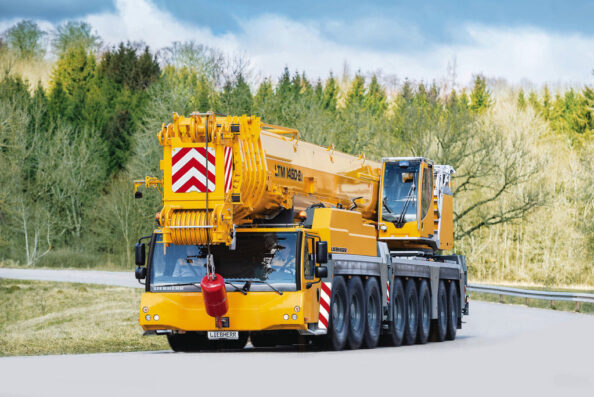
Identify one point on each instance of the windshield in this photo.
(259, 257)
(399, 179)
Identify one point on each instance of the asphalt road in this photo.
(121, 279)
(503, 350)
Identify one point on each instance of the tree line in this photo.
(70, 149)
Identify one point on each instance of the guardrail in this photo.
(578, 298)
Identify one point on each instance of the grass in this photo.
(38, 317)
(538, 303)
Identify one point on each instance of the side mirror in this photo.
(322, 251)
(140, 273)
(139, 253)
(321, 272)
(138, 194)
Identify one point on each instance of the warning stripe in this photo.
(324, 316)
(388, 294)
(188, 170)
(228, 168)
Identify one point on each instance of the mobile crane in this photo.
(309, 244)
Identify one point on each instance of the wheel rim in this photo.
(372, 309)
(338, 312)
(356, 315)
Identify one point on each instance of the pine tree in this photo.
(241, 95)
(263, 98)
(375, 99)
(533, 101)
(330, 95)
(546, 103)
(588, 94)
(521, 101)
(356, 93)
(480, 97)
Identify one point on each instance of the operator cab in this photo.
(411, 205)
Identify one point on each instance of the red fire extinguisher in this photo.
(214, 292)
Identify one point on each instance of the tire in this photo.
(338, 329)
(188, 342)
(440, 325)
(412, 312)
(395, 334)
(452, 311)
(232, 344)
(357, 312)
(273, 338)
(373, 320)
(424, 324)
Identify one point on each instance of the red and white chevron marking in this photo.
(188, 173)
(228, 168)
(388, 288)
(324, 317)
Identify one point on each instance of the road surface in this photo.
(121, 279)
(503, 350)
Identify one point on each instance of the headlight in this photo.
(297, 308)
(286, 317)
(294, 317)
(156, 317)
(148, 317)
(145, 309)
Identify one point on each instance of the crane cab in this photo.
(415, 204)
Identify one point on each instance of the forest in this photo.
(79, 123)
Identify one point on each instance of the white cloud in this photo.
(273, 41)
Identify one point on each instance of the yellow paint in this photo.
(345, 232)
(254, 311)
(272, 170)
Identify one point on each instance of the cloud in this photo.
(273, 41)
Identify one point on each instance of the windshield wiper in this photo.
(386, 205)
(247, 285)
(400, 221)
(177, 285)
(197, 285)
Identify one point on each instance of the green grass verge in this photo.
(38, 317)
(543, 304)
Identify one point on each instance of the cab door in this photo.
(311, 295)
(426, 214)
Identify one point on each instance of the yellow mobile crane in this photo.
(313, 244)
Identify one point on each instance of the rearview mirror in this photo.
(321, 272)
(139, 254)
(322, 251)
(140, 273)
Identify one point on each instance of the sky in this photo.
(522, 42)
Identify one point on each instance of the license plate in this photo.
(216, 335)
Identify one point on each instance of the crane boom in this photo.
(255, 172)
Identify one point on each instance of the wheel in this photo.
(439, 327)
(395, 335)
(424, 313)
(452, 311)
(273, 338)
(232, 344)
(373, 322)
(188, 342)
(357, 312)
(412, 312)
(338, 329)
